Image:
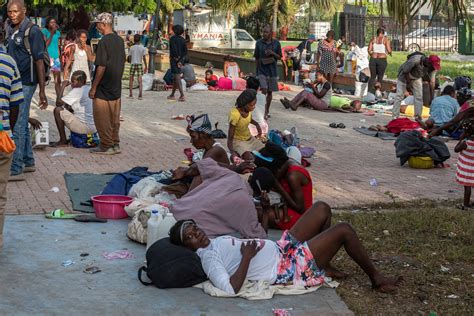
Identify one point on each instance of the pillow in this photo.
(171, 266)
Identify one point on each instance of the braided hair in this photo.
(468, 126)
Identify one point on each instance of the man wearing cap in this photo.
(411, 74)
(106, 89)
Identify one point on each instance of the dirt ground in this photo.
(429, 244)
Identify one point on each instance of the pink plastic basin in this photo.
(111, 206)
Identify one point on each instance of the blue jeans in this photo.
(23, 155)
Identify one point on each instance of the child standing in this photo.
(137, 53)
(465, 165)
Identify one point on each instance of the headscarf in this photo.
(200, 124)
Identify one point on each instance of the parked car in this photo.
(433, 39)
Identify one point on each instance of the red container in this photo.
(111, 206)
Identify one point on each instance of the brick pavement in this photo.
(344, 163)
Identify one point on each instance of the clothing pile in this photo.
(412, 143)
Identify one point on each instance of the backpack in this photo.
(415, 54)
(46, 59)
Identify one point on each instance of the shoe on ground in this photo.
(101, 151)
(117, 149)
(29, 169)
(17, 177)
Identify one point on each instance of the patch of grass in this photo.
(448, 68)
(431, 247)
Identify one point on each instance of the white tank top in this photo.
(81, 62)
(379, 48)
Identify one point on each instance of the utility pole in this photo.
(155, 42)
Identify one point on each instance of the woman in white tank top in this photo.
(81, 56)
(379, 48)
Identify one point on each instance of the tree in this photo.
(403, 11)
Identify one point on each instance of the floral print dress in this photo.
(327, 51)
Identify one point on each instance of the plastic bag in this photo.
(145, 189)
(6, 143)
(147, 80)
(198, 87)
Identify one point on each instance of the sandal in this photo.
(182, 99)
(171, 97)
(341, 125)
(333, 125)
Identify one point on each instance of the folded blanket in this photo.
(262, 290)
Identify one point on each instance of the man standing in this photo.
(267, 53)
(410, 74)
(11, 96)
(31, 66)
(106, 89)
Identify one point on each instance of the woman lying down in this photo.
(300, 257)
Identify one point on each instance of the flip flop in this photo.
(341, 125)
(171, 98)
(181, 99)
(59, 214)
(333, 125)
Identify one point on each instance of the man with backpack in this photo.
(411, 74)
(26, 45)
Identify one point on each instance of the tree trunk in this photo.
(283, 33)
(170, 22)
(275, 17)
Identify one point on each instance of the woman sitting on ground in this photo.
(240, 142)
(200, 131)
(317, 96)
(301, 257)
(294, 183)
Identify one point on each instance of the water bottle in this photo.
(153, 226)
(166, 224)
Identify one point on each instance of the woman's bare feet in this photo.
(385, 284)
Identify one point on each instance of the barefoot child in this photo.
(137, 54)
(465, 165)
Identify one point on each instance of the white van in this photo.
(229, 39)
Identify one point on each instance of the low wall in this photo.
(247, 65)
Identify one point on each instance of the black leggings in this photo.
(377, 70)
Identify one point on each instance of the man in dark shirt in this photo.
(106, 90)
(31, 67)
(267, 53)
(178, 56)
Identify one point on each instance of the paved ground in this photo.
(344, 163)
(35, 282)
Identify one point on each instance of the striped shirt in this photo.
(465, 166)
(11, 90)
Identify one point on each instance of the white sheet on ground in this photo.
(261, 290)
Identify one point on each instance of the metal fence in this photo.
(421, 34)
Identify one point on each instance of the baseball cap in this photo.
(435, 61)
(104, 17)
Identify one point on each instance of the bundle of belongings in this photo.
(412, 143)
(290, 141)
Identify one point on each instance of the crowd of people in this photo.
(93, 103)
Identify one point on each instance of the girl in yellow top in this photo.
(240, 142)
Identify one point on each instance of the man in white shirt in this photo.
(302, 256)
(74, 110)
